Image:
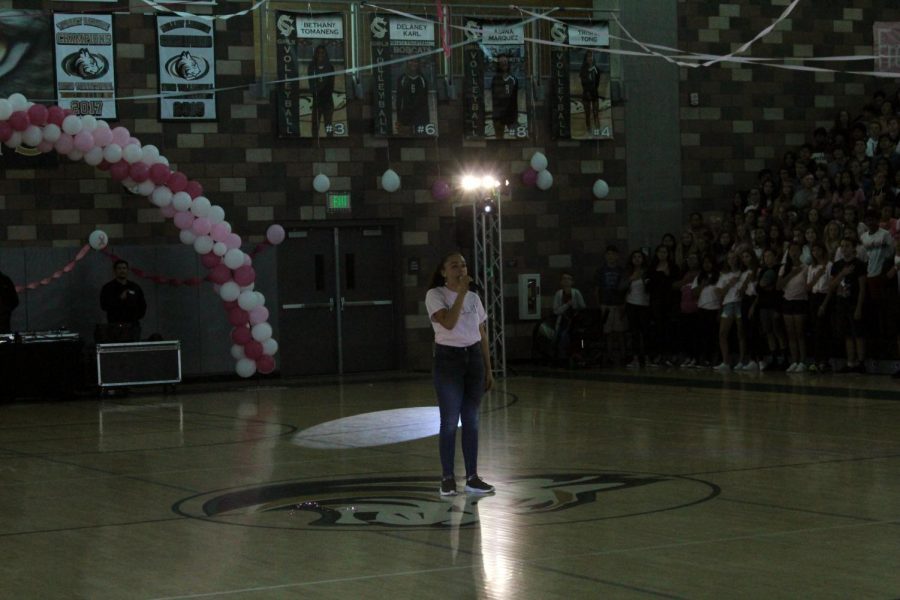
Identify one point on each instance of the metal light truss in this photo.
(489, 275)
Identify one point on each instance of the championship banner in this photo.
(887, 47)
(311, 47)
(405, 92)
(187, 63)
(494, 81)
(580, 102)
(85, 64)
(27, 70)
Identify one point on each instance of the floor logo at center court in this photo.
(390, 502)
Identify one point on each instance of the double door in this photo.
(337, 288)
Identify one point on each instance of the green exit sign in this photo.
(338, 202)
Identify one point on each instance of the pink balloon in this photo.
(68, 268)
(219, 274)
(19, 121)
(193, 189)
(132, 140)
(102, 136)
(229, 304)
(259, 314)
(265, 364)
(37, 114)
(120, 136)
(168, 211)
(55, 115)
(219, 232)
(183, 219)
(64, 144)
(529, 177)
(84, 141)
(177, 182)
(244, 275)
(248, 262)
(5, 131)
(232, 240)
(210, 260)
(238, 316)
(253, 349)
(56, 274)
(275, 234)
(139, 171)
(45, 146)
(104, 165)
(241, 335)
(441, 190)
(200, 226)
(118, 171)
(159, 173)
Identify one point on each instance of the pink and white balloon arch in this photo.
(201, 224)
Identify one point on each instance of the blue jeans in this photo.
(459, 383)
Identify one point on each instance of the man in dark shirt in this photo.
(124, 304)
(848, 284)
(9, 300)
(610, 292)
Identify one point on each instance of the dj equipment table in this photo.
(40, 364)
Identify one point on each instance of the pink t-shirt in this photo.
(466, 332)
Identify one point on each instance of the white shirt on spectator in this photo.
(795, 287)
(466, 331)
(819, 284)
(879, 247)
(709, 297)
(637, 293)
(733, 293)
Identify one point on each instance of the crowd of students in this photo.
(800, 270)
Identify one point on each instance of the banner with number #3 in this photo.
(85, 62)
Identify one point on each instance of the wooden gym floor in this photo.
(609, 485)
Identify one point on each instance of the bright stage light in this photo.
(470, 183)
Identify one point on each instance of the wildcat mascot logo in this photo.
(187, 66)
(85, 65)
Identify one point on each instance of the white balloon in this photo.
(98, 239)
(33, 136)
(261, 332)
(390, 181)
(200, 206)
(601, 189)
(72, 124)
(247, 300)
(181, 201)
(131, 153)
(88, 123)
(128, 183)
(15, 140)
(161, 196)
(248, 287)
(245, 367)
(234, 258)
(101, 124)
(77, 155)
(321, 183)
(18, 102)
(112, 153)
(149, 154)
(216, 214)
(94, 156)
(51, 132)
(544, 180)
(5, 109)
(145, 188)
(237, 352)
(219, 249)
(163, 160)
(203, 244)
(538, 162)
(187, 237)
(229, 291)
(270, 347)
(260, 299)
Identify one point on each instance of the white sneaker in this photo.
(791, 368)
(633, 365)
(722, 368)
(801, 368)
(751, 366)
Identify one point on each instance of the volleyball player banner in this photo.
(580, 102)
(887, 47)
(405, 96)
(85, 60)
(495, 105)
(187, 69)
(311, 47)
